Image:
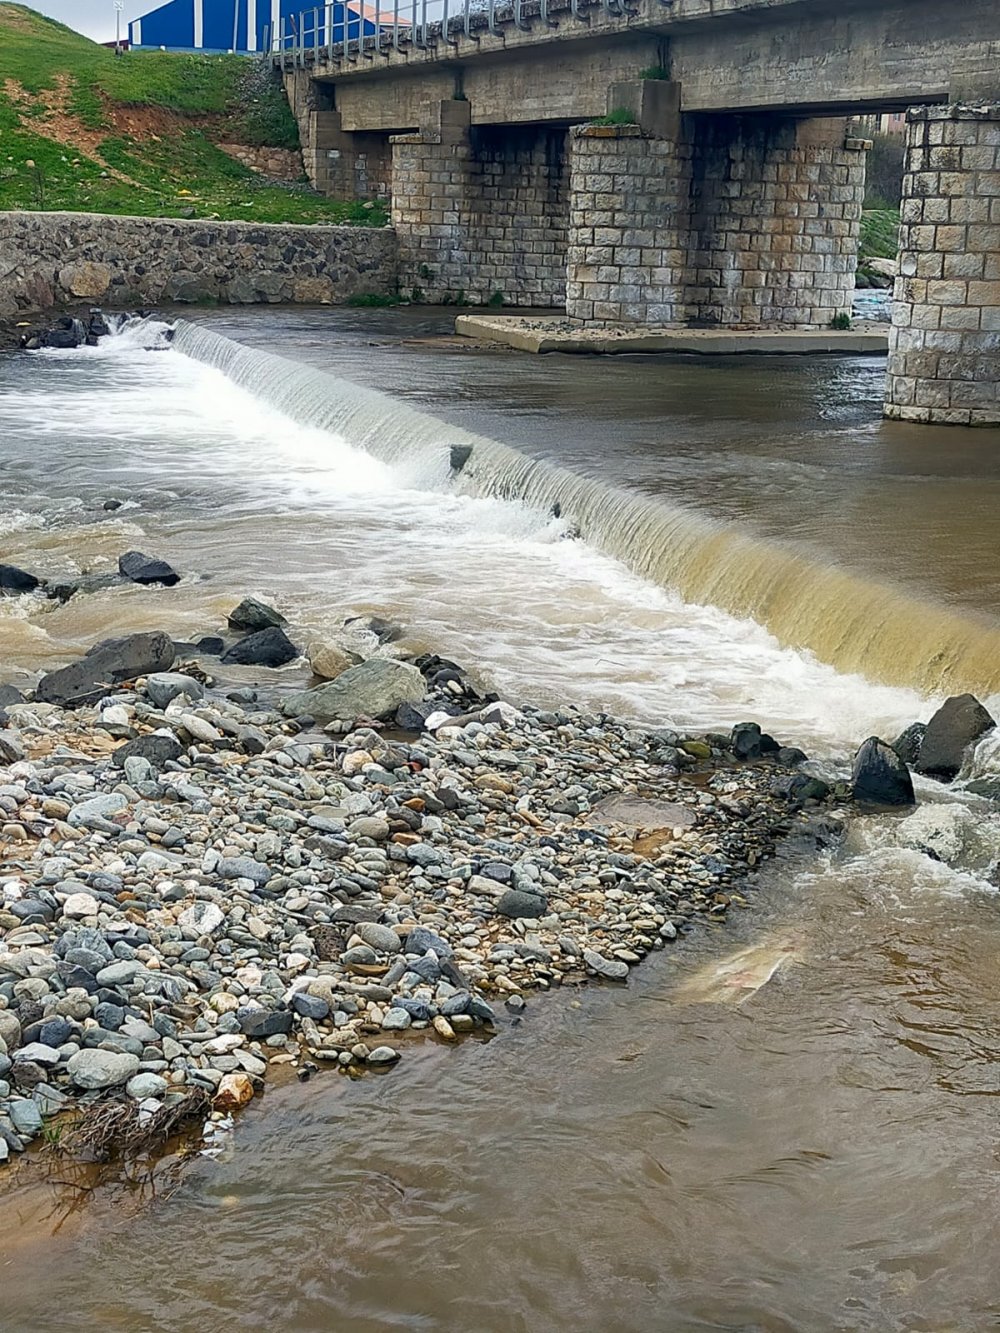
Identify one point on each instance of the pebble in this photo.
(205, 918)
(141, 1086)
(80, 905)
(383, 939)
(605, 967)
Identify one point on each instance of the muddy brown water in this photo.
(819, 1155)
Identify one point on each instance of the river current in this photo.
(754, 543)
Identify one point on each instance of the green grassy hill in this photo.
(85, 130)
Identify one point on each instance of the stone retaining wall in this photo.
(49, 260)
(277, 164)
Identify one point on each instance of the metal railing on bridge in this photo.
(338, 32)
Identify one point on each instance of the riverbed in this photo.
(819, 1156)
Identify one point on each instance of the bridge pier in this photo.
(721, 220)
(345, 164)
(480, 213)
(944, 347)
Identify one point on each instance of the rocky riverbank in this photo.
(200, 881)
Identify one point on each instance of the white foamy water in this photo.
(235, 490)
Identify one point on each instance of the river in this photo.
(757, 544)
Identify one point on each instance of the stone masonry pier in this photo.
(944, 348)
(734, 221)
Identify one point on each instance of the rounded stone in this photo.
(383, 939)
(95, 1068)
(142, 1086)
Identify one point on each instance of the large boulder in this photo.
(373, 689)
(880, 777)
(163, 687)
(85, 279)
(957, 724)
(14, 581)
(268, 648)
(106, 665)
(139, 568)
(83, 583)
(252, 615)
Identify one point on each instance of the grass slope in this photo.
(879, 234)
(84, 130)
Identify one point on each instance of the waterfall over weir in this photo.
(854, 623)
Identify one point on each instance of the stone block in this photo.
(967, 264)
(952, 292)
(984, 293)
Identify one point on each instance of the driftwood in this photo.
(114, 1130)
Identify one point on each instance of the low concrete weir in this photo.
(847, 621)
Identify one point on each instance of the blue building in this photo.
(209, 25)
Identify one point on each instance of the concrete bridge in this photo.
(721, 185)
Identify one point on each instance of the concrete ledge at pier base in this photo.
(559, 335)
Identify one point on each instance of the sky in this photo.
(96, 18)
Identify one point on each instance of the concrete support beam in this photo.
(342, 163)
(944, 348)
(653, 104)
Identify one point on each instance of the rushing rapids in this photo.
(855, 624)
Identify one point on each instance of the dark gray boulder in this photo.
(106, 665)
(805, 788)
(880, 777)
(907, 744)
(139, 568)
(157, 750)
(264, 1022)
(411, 717)
(386, 631)
(749, 742)
(421, 939)
(310, 1006)
(957, 724)
(517, 903)
(790, 756)
(268, 648)
(251, 616)
(15, 581)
